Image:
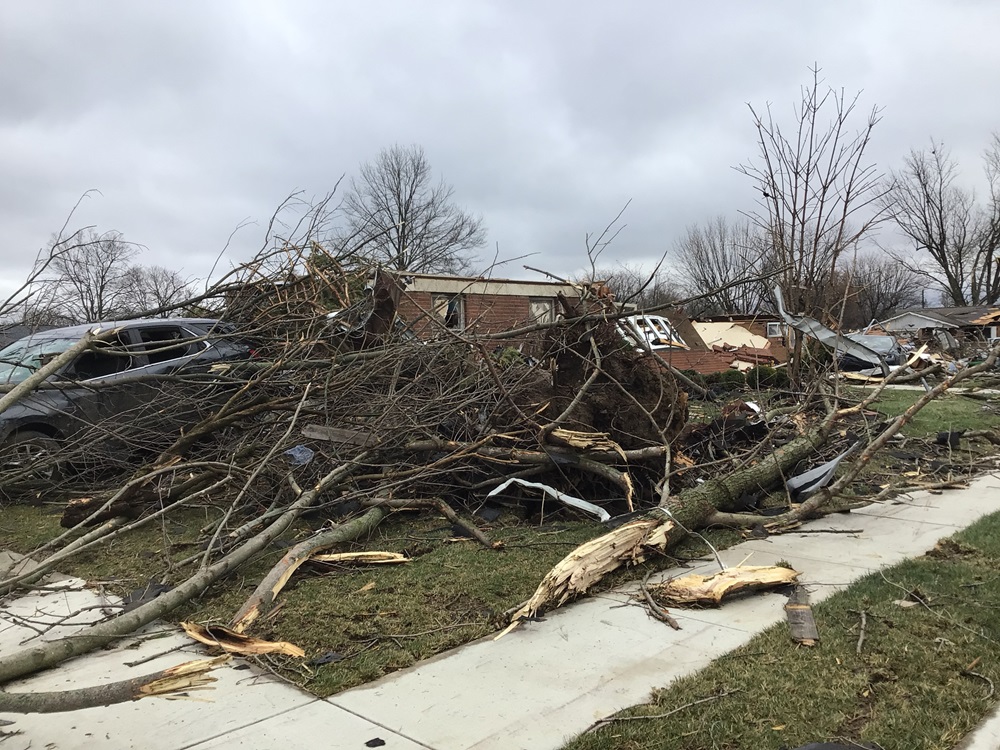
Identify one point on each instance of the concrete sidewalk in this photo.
(535, 688)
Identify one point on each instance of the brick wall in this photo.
(484, 313)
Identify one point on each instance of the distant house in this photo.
(482, 305)
(960, 324)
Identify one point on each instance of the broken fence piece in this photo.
(801, 623)
(698, 590)
(237, 643)
(575, 502)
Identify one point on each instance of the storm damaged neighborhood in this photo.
(410, 462)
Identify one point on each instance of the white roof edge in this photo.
(937, 323)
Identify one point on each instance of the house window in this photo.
(449, 309)
(542, 309)
(775, 330)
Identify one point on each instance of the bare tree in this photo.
(712, 259)
(961, 238)
(87, 281)
(91, 277)
(879, 285)
(151, 288)
(819, 195)
(398, 217)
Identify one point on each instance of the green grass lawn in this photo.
(906, 690)
(950, 412)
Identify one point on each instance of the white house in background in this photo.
(959, 323)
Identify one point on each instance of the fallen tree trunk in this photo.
(29, 660)
(184, 677)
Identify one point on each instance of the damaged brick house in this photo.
(484, 305)
(741, 342)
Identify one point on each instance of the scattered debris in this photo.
(839, 343)
(575, 502)
(812, 481)
(300, 455)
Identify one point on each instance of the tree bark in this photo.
(188, 676)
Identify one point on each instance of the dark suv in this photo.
(116, 388)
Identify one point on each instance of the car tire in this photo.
(26, 447)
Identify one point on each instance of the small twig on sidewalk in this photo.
(152, 657)
(611, 719)
(655, 609)
(819, 531)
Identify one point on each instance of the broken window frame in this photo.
(165, 343)
(449, 310)
(535, 312)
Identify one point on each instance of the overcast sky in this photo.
(193, 116)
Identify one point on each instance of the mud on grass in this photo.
(907, 690)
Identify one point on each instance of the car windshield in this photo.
(24, 357)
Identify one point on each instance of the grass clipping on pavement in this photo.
(922, 679)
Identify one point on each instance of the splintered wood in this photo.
(586, 441)
(186, 677)
(361, 558)
(709, 591)
(591, 561)
(237, 643)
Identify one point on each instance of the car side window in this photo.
(106, 358)
(166, 343)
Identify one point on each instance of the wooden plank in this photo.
(338, 435)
